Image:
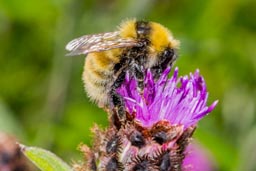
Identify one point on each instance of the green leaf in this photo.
(45, 160)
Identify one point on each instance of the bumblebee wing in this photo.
(98, 42)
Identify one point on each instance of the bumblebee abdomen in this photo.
(98, 74)
(99, 66)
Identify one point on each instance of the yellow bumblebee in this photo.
(135, 47)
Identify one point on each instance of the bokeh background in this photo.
(42, 100)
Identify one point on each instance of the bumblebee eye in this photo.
(167, 57)
(168, 53)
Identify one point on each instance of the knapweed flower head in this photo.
(179, 100)
(159, 124)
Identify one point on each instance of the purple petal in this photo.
(179, 100)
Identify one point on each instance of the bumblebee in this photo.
(135, 47)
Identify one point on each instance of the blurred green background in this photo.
(42, 100)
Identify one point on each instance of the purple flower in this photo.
(179, 100)
(159, 125)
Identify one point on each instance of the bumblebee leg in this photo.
(139, 73)
(156, 71)
(119, 108)
(117, 99)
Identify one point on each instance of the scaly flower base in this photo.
(136, 148)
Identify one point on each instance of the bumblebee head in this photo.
(158, 39)
(162, 44)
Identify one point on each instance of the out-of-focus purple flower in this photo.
(197, 159)
(11, 158)
(179, 100)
